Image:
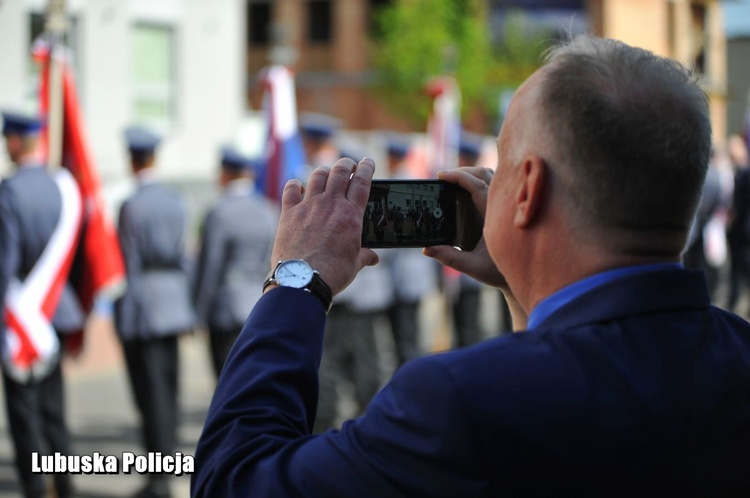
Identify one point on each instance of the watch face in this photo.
(294, 273)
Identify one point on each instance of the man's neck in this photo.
(29, 159)
(145, 175)
(560, 272)
(239, 185)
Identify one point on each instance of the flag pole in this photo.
(56, 25)
(284, 153)
(282, 50)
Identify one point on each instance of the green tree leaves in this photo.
(416, 40)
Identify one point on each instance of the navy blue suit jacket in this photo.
(638, 386)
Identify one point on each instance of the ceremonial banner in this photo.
(31, 346)
(444, 125)
(103, 269)
(284, 155)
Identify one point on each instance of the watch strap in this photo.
(320, 289)
(317, 287)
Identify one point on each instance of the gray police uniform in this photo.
(156, 306)
(350, 349)
(414, 277)
(236, 243)
(30, 206)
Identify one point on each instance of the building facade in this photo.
(738, 77)
(190, 68)
(174, 65)
(688, 31)
(327, 43)
(737, 25)
(329, 40)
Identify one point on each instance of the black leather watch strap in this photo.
(316, 287)
(320, 289)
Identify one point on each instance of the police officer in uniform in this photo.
(462, 291)
(351, 355)
(236, 243)
(156, 307)
(318, 133)
(30, 207)
(350, 352)
(413, 276)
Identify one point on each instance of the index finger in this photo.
(360, 182)
(470, 178)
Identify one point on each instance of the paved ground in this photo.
(102, 416)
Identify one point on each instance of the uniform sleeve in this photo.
(126, 232)
(186, 264)
(10, 246)
(414, 439)
(209, 268)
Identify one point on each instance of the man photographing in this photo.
(625, 379)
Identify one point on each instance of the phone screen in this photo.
(419, 213)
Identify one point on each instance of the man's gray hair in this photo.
(632, 135)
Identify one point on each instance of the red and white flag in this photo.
(103, 271)
(284, 155)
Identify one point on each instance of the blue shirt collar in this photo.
(557, 300)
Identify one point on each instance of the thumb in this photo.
(368, 257)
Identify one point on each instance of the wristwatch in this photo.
(299, 274)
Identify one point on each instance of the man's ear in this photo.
(529, 195)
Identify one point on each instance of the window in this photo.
(671, 29)
(698, 36)
(153, 74)
(258, 23)
(376, 8)
(319, 22)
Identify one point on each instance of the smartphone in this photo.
(419, 213)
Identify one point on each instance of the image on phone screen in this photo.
(419, 213)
